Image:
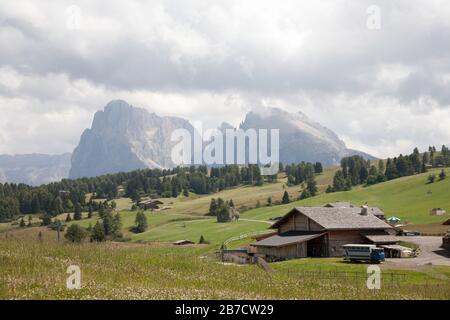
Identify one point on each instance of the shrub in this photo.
(98, 233)
(141, 222)
(76, 234)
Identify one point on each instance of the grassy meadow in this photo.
(409, 198)
(37, 270)
(148, 266)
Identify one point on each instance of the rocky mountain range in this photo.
(125, 138)
(301, 139)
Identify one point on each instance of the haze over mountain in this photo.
(34, 169)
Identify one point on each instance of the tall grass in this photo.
(34, 270)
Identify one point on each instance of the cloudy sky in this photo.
(375, 72)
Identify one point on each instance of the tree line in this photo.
(69, 195)
(355, 170)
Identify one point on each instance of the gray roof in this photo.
(339, 205)
(183, 242)
(287, 238)
(376, 211)
(338, 218)
(382, 238)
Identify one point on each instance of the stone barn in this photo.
(320, 232)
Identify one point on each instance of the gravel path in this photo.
(431, 253)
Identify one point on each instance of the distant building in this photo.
(339, 205)
(446, 241)
(183, 242)
(320, 232)
(150, 204)
(437, 212)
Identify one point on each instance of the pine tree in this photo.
(305, 194)
(213, 207)
(431, 178)
(415, 160)
(117, 226)
(223, 212)
(424, 168)
(101, 210)
(269, 201)
(381, 168)
(231, 204)
(318, 169)
(75, 233)
(285, 197)
(140, 222)
(57, 206)
(442, 175)
(98, 233)
(22, 223)
(107, 223)
(311, 186)
(77, 213)
(90, 212)
(46, 219)
(391, 170)
(339, 181)
(68, 218)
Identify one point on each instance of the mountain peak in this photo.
(301, 139)
(125, 138)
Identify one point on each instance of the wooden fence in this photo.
(391, 278)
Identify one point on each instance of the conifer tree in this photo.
(98, 233)
(285, 197)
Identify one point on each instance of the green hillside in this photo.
(409, 198)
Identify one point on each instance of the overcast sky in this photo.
(382, 90)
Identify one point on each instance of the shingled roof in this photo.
(338, 218)
(288, 238)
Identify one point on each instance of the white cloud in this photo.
(382, 91)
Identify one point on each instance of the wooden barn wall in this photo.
(286, 252)
(338, 238)
(299, 222)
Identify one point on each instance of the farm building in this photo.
(377, 212)
(437, 212)
(446, 241)
(150, 204)
(339, 205)
(182, 242)
(320, 232)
